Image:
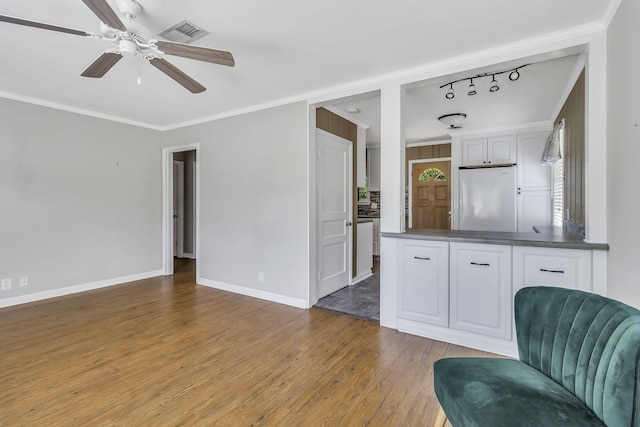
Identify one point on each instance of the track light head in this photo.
(494, 85)
(450, 93)
(472, 89)
(514, 75)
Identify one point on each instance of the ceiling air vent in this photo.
(183, 32)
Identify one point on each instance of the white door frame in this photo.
(413, 162)
(167, 206)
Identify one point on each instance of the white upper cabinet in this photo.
(501, 150)
(495, 150)
(373, 164)
(474, 152)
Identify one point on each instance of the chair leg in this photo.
(441, 419)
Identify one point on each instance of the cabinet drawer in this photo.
(565, 268)
(424, 282)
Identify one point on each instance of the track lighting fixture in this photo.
(450, 94)
(513, 74)
(472, 89)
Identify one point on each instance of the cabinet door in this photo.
(531, 174)
(564, 268)
(374, 168)
(501, 150)
(534, 208)
(480, 299)
(474, 152)
(424, 282)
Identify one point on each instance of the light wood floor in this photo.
(164, 351)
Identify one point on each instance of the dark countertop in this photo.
(362, 220)
(551, 240)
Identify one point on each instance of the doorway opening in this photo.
(180, 205)
(359, 293)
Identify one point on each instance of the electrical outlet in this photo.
(260, 277)
(24, 281)
(5, 284)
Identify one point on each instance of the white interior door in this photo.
(334, 212)
(178, 208)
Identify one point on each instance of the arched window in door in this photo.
(432, 174)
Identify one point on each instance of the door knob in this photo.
(348, 224)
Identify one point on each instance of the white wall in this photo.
(79, 200)
(623, 153)
(253, 201)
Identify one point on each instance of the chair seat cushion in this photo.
(505, 392)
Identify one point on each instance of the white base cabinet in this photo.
(424, 282)
(480, 287)
(463, 293)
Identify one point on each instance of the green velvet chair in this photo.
(579, 366)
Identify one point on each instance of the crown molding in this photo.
(76, 110)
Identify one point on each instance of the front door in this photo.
(334, 212)
(431, 195)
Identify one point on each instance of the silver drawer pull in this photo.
(481, 263)
(424, 258)
(552, 271)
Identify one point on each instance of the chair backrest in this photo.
(587, 343)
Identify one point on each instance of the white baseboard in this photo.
(360, 277)
(188, 255)
(463, 338)
(255, 293)
(38, 296)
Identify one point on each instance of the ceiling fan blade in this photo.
(100, 66)
(196, 52)
(35, 24)
(177, 75)
(104, 12)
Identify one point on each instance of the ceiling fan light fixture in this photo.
(127, 48)
(129, 7)
(454, 120)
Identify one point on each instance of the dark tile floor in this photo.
(361, 300)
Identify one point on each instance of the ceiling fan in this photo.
(133, 39)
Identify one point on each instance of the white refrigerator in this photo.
(488, 199)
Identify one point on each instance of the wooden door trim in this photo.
(411, 163)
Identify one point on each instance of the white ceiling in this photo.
(282, 48)
(535, 97)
